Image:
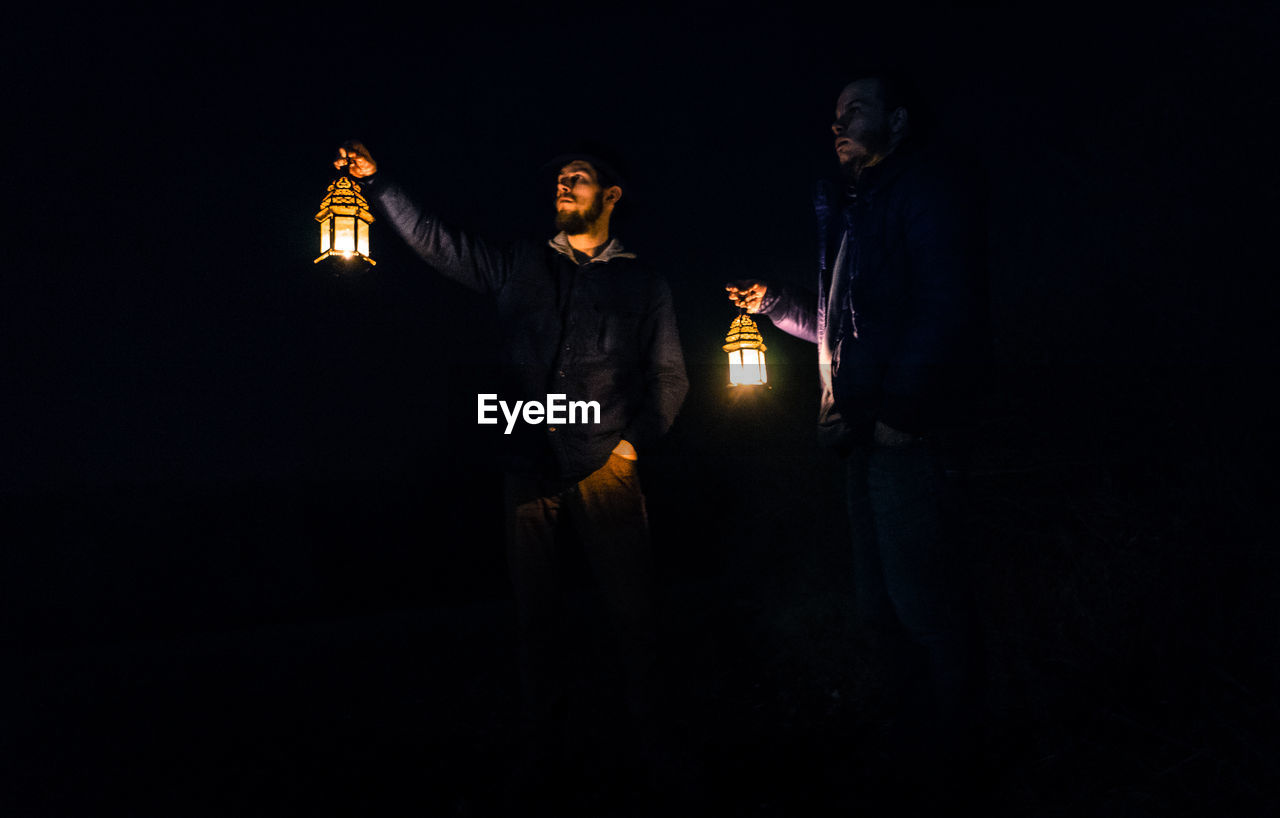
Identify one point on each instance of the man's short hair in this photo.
(607, 173)
(897, 90)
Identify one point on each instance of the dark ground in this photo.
(346, 649)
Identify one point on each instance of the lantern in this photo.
(746, 353)
(344, 222)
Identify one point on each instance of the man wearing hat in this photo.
(583, 318)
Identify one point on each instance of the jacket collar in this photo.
(832, 193)
(888, 169)
(612, 249)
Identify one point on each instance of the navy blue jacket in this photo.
(603, 330)
(904, 341)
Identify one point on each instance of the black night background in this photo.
(251, 557)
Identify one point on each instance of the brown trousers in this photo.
(607, 512)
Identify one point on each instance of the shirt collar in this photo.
(611, 250)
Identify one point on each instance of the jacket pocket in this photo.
(618, 333)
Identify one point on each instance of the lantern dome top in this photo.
(344, 199)
(744, 334)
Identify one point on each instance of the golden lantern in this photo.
(746, 353)
(344, 222)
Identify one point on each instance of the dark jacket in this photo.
(600, 331)
(904, 340)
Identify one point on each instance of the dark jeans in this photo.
(912, 589)
(607, 512)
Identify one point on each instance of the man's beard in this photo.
(875, 146)
(575, 222)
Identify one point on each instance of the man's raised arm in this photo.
(453, 253)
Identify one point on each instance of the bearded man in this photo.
(899, 321)
(582, 318)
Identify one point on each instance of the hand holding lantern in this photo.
(747, 295)
(744, 343)
(355, 158)
(344, 215)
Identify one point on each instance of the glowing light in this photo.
(746, 351)
(344, 222)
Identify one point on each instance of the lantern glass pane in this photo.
(362, 238)
(764, 374)
(746, 367)
(345, 239)
(324, 235)
(737, 375)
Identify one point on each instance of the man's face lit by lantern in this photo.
(580, 200)
(864, 130)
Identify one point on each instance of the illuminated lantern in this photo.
(746, 353)
(344, 222)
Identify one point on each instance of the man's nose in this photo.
(837, 127)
